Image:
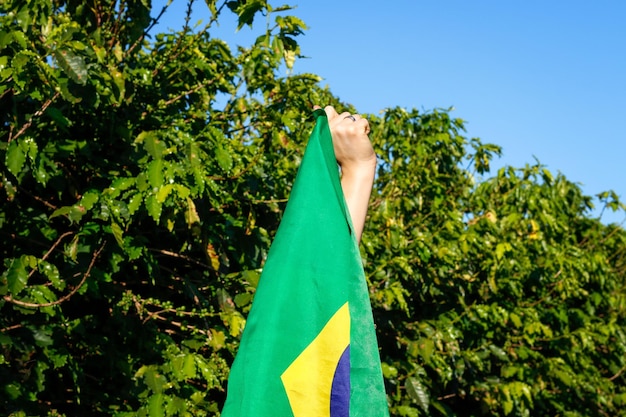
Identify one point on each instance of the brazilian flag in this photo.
(309, 347)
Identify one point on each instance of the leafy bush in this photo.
(143, 179)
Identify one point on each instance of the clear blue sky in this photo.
(542, 79)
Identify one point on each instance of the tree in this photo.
(134, 204)
(144, 175)
(498, 297)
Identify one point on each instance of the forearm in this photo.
(355, 155)
(357, 182)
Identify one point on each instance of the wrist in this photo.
(360, 171)
(357, 180)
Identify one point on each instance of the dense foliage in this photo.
(143, 176)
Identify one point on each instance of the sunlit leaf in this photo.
(17, 275)
(15, 158)
(73, 65)
(418, 393)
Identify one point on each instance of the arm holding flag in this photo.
(356, 157)
(309, 347)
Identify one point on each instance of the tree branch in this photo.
(37, 198)
(52, 248)
(66, 297)
(179, 256)
(618, 374)
(32, 118)
(146, 31)
(15, 326)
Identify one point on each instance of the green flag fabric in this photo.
(309, 347)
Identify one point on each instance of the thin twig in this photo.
(248, 167)
(15, 326)
(279, 200)
(65, 297)
(52, 248)
(181, 95)
(177, 255)
(174, 52)
(146, 31)
(36, 114)
(39, 199)
(156, 315)
(542, 299)
(445, 397)
(8, 90)
(618, 374)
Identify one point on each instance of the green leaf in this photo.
(152, 144)
(73, 65)
(564, 377)
(62, 211)
(154, 207)
(163, 192)
(251, 277)
(418, 393)
(5, 38)
(515, 319)
(443, 409)
(182, 191)
(118, 234)
(501, 249)
(242, 300)
(499, 353)
(156, 406)
(15, 158)
(51, 272)
(56, 115)
(217, 340)
(16, 275)
(119, 185)
(88, 200)
(76, 213)
(508, 371)
(24, 19)
(14, 391)
(389, 371)
(407, 411)
(248, 11)
(189, 366)
(426, 348)
(64, 89)
(142, 182)
(152, 378)
(155, 173)
(42, 337)
(236, 323)
(191, 214)
(118, 82)
(134, 203)
(72, 248)
(224, 159)
(507, 404)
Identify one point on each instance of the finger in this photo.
(331, 113)
(366, 125)
(346, 117)
(359, 120)
(316, 107)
